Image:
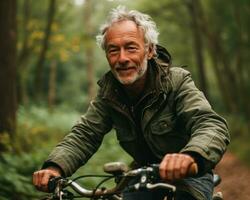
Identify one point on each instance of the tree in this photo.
(8, 101)
(89, 48)
(52, 85)
(23, 55)
(198, 44)
(45, 45)
(221, 36)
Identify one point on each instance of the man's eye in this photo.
(132, 49)
(113, 51)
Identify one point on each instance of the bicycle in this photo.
(147, 177)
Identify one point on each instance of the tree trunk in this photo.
(229, 105)
(241, 53)
(26, 16)
(8, 101)
(45, 46)
(23, 56)
(89, 48)
(223, 73)
(52, 85)
(198, 45)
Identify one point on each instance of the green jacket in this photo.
(175, 117)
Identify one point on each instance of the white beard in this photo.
(135, 76)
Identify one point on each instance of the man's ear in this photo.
(150, 52)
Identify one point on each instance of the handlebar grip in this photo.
(193, 169)
(53, 183)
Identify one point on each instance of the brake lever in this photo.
(55, 185)
(58, 191)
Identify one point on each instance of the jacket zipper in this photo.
(146, 138)
(148, 106)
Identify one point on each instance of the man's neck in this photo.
(135, 90)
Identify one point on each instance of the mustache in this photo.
(119, 66)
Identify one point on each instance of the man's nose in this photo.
(123, 58)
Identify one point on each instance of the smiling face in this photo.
(126, 52)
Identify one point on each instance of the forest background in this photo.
(49, 65)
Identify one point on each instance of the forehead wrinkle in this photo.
(124, 30)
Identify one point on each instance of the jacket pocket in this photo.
(165, 137)
(127, 140)
(163, 125)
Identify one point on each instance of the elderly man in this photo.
(158, 113)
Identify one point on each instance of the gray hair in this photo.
(143, 21)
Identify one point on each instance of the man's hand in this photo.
(42, 177)
(175, 166)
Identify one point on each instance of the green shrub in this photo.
(16, 175)
(38, 132)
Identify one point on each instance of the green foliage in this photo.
(39, 127)
(16, 175)
(5, 141)
(34, 116)
(68, 45)
(38, 132)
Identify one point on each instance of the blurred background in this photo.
(50, 63)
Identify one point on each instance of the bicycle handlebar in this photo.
(192, 171)
(57, 184)
(105, 192)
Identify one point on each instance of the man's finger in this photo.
(170, 166)
(186, 163)
(162, 167)
(45, 179)
(177, 168)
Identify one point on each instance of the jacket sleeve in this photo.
(83, 140)
(208, 131)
